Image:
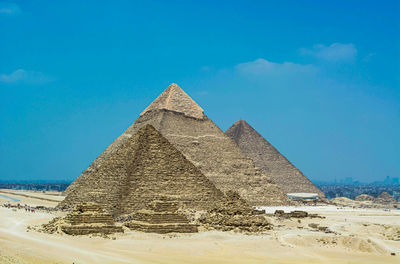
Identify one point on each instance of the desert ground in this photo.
(344, 235)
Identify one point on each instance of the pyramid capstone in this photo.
(175, 99)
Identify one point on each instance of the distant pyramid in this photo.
(146, 168)
(183, 123)
(270, 161)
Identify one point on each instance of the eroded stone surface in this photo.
(146, 168)
(270, 160)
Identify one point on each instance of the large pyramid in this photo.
(183, 123)
(270, 160)
(146, 168)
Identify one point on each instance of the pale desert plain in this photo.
(355, 236)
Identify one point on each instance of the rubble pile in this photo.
(235, 214)
(295, 214)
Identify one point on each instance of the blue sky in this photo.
(318, 79)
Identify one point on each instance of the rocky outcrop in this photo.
(182, 122)
(87, 218)
(270, 160)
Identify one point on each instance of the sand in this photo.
(361, 236)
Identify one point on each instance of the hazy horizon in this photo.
(319, 80)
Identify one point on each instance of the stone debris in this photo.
(317, 227)
(87, 218)
(235, 215)
(392, 232)
(295, 214)
(182, 122)
(270, 160)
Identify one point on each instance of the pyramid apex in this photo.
(238, 128)
(175, 99)
(174, 85)
(241, 123)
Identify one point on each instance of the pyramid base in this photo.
(160, 218)
(162, 228)
(88, 229)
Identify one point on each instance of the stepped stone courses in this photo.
(146, 168)
(270, 160)
(87, 218)
(182, 122)
(163, 218)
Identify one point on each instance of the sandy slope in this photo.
(363, 237)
